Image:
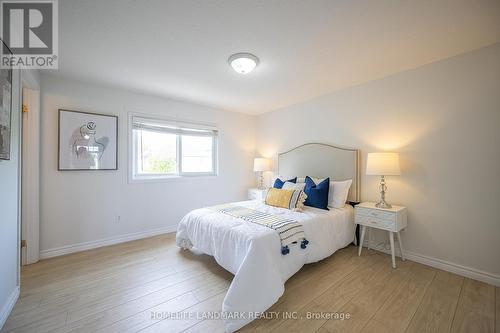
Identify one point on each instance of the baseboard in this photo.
(8, 306)
(59, 251)
(444, 265)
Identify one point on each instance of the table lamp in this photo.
(383, 164)
(260, 165)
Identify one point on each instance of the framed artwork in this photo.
(5, 109)
(87, 141)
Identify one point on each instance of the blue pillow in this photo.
(317, 194)
(278, 183)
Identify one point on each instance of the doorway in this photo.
(30, 170)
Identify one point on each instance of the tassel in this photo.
(304, 243)
(285, 250)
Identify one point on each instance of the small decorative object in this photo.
(383, 164)
(87, 141)
(5, 108)
(260, 165)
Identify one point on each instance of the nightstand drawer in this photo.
(373, 221)
(374, 213)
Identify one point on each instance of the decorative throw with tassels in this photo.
(290, 231)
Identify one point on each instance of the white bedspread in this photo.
(252, 252)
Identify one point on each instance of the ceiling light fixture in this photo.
(243, 63)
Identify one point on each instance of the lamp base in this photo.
(261, 181)
(383, 204)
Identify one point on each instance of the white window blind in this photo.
(173, 127)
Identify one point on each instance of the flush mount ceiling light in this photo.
(243, 63)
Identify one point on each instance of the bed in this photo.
(250, 251)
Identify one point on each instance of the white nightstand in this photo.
(393, 220)
(257, 194)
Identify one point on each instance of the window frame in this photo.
(183, 129)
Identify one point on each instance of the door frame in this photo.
(30, 169)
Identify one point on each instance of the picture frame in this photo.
(5, 108)
(87, 141)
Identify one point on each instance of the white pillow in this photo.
(293, 186)
(337, 196)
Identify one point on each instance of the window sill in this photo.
(166, 179)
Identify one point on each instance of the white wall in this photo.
(79, 207)
(444, 119)
(9, 208)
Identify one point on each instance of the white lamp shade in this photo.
(383, 164)
(261, 164)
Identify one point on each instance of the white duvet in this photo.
(253, 252)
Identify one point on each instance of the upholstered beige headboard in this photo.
(323, 160)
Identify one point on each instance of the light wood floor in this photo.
(115, 289)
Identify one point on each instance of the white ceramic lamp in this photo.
(383, 164)
(260, 165)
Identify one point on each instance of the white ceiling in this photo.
(179, 49)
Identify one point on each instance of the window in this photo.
(165, 149)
